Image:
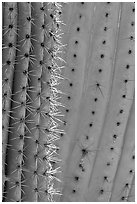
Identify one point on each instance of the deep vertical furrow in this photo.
(8, 61)
(18, 122)
(118, 112)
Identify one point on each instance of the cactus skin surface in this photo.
(68, 102)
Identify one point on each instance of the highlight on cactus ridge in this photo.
(68, 102)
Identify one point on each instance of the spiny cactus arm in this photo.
(126, 170)
(53, 78)
(72, 102)
(122, 93)
(8, 60)
(18, 123)
(34, 163)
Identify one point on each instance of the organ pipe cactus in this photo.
(68, 102)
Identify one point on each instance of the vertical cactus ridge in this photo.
(68, 102)
(8, 60)
(33, 159)
(19, 121)
(42, 150)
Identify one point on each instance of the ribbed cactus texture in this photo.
(68, 104)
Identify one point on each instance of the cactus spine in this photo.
(68, 102)
(34, 115)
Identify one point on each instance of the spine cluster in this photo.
(34, 113)
(53, 94)
(68, 102)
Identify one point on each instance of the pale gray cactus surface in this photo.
(68, 104)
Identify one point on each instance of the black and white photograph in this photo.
(68, 101)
